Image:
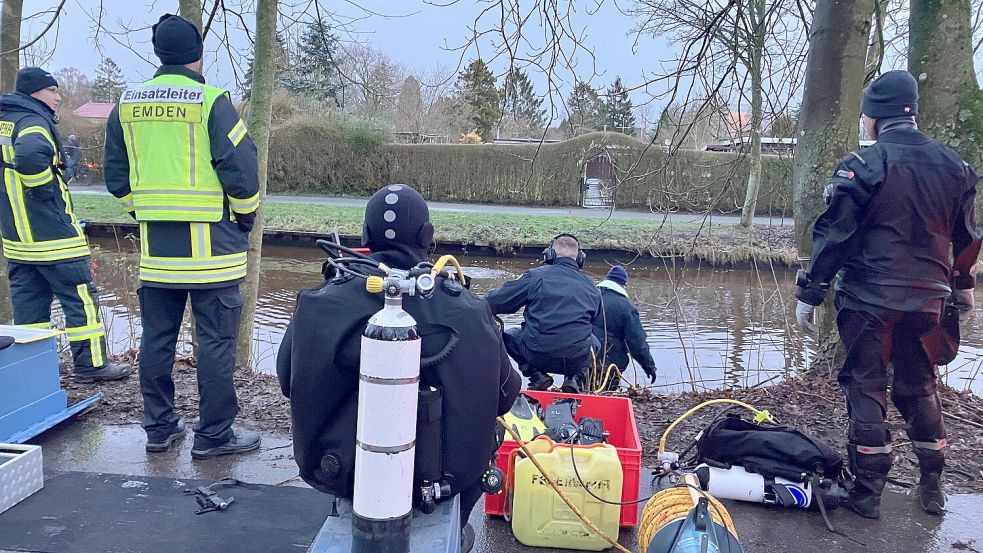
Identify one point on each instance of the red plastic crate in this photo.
(619, 421)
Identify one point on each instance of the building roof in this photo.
(95, 110)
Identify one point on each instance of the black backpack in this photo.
(769, 450)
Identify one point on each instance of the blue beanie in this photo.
(32, 79)
(618, 275)
(176, 40)
(893, 94)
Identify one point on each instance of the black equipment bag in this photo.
(769, 450)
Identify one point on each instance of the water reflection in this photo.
(708, 328)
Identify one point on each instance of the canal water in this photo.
(707, 327)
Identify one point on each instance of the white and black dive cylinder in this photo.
(738, 484)
(388, 393)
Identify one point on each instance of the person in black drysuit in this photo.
(561, 303)
(896, 211)
(619, 329)
(318, 361)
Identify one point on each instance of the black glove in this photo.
(651, 372)
(246, 221)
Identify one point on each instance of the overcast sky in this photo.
(422, 36)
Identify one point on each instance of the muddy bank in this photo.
(815, 406)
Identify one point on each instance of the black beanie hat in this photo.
(32, 79)
(176, 40)
(893, 94)
(397, 218)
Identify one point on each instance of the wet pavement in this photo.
(81, 446)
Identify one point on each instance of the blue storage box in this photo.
(31, 398)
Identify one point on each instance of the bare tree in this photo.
(759, 36)
(828, 119)
(75, 87)
(260, 114)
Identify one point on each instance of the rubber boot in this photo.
(865, 497)
(931, 496)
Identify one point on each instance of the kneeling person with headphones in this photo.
(561, 303)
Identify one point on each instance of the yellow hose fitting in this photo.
(374, 284)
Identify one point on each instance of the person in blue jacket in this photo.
(561, 303)
(619, 328)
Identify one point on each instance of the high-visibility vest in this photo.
(165, 129)
(37, 237)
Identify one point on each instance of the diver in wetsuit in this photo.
(463, 356)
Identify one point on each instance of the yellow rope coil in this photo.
(674, 504)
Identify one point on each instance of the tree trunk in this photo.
(940, 55)
(756, 51)
(9, 43)
(828, 126)
(191, 10)
(10, 24)
(260, 114)
(875, 48)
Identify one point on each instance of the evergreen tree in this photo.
(315, 73)
(619, 115)
(476, 100)
(584, 109)
(520, 104)
(281, 68)
(109, 83)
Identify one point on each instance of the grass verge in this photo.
(717, 244)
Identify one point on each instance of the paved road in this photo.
(89, 447)
(621, 214)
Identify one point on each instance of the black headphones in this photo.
(549, 254)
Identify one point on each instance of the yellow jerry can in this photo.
(541, 519)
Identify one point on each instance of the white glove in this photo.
(966, 303)
(804, 317)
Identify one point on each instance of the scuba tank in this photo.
(739, 484)
(388, 392)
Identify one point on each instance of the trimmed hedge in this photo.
(308, 157)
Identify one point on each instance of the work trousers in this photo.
(532, 362)
(874, 338)
(217, 312)
(32, 289)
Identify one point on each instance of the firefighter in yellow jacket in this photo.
(42, 239)
(179, 159)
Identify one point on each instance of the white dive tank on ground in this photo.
(388, 392)
(741, 485)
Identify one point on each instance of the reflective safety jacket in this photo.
(36, 218)
(179, 159)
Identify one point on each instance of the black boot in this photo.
(109, 371)
(572, 384)
(539, 381)
(865, 497)
(930, 494)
